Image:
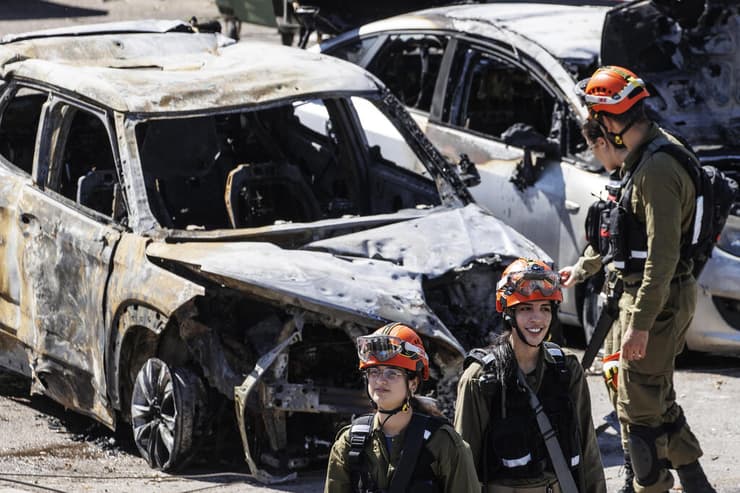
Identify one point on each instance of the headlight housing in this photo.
(729, 240)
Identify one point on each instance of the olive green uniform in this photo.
(452, 466)
(472, 416)
(660, 300)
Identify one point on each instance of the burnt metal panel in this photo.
(64, 259)
(436, 243)
(136, 281)
(154, 80)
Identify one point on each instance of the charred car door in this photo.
(20, 112)
(499, 109)
(67, 235)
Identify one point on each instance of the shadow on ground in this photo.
(41, 9)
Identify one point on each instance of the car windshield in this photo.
(298, 161)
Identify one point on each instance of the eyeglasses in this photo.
(383, 348)
(389, 374)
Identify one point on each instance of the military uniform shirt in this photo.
(472, 418)
(453, 464)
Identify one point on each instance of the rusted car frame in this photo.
(188, 222)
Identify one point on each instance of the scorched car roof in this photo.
(566, 31)
(167, 72)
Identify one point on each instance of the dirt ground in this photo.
(43, 448)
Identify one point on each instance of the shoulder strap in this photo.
(478, 355)
(359, 432)
(419, 431)
(562, 471)
(559, 357)
(556, 352)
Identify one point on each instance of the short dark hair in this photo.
(636, 113)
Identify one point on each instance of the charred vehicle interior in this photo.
(171, 259)
(270, 166)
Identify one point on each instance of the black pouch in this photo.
(593, 224)
(617, 220)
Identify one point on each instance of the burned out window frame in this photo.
(9, 91)
(378, 40)
(55, 125)
(132, 120)
(467, 48)
(379, 52)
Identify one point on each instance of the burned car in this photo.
(496, 82)
(191, 225)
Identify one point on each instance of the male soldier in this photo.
(659, 297)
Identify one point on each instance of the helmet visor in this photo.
(382, 348)
(529, 281)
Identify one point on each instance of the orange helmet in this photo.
(527, 280)
(611, 89)
(396, 345)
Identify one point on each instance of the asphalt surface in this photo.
(44, 448)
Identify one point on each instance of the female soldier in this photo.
(494, 411)
(397, 448)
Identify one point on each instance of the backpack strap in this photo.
(559, 362)
(480, 356)
(419, 431)
(359, 433)
(562, 470)
(690, 163)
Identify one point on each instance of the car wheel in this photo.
(167, 405)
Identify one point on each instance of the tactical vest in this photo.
(422, 478)
(611, 226)
(513, 447)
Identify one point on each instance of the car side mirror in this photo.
(467, 171)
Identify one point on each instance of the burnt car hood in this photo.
(370, 276)
(689, 56)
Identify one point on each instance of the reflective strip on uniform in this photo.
(638, 253)
(575, 460)
(427, 434)
(697, 219)
(619, 264)
(522, 461)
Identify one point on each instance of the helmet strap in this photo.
(617, 138)
(512, 321)
(392, 412)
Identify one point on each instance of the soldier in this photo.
(494, 411)
(650, 221)
(398, 448)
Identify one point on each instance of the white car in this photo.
(495, 82)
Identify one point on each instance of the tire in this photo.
(167, 409)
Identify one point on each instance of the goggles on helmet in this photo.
(384, 347)
(632, 84)
(526, 282)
